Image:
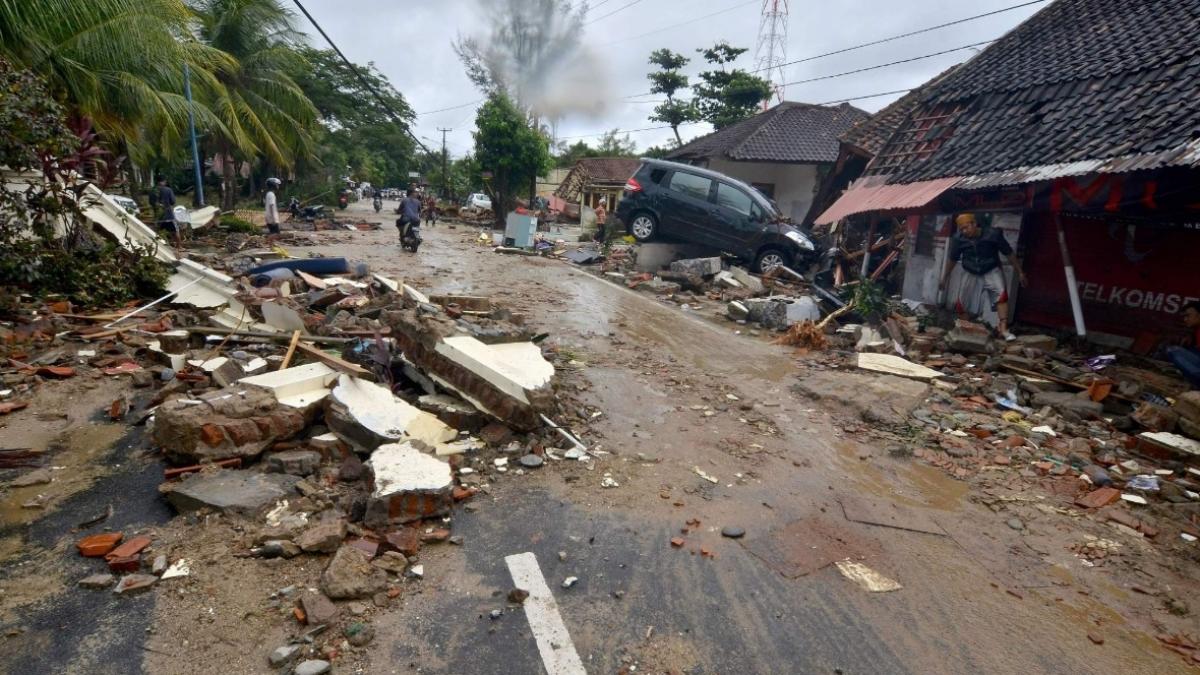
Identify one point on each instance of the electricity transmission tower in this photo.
(771, 52)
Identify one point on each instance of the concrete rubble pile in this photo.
(339, 414)
(1112, 437)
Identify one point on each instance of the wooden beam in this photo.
(333, 361)
(287, 360)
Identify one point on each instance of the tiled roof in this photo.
(870, 135)
(1080, 80)
(609, 169)
(790, 133)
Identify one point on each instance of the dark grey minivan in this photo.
(676, 201)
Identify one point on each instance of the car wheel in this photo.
(643, 227)
(770, 258)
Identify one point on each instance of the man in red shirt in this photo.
(1187, 359)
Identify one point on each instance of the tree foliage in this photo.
(513, 151)
(725, 96)
(669, 80)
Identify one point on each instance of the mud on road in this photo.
(700, 429)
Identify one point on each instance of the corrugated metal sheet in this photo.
(1184, 155)
(868, 196)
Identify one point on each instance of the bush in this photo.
(235, 224)
(101, 276)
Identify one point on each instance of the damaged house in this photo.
(597, 180)
(784, 152)
(1073, 135)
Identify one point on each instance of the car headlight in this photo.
(801, 240)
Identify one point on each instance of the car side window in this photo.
(734, 199)
(690, 185)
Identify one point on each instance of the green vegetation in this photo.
(514, 151)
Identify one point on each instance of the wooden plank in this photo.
(287, 359)
(894, 365)
(313, 282)
(333, 361)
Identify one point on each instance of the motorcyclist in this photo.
(410, 213)
(377, 201)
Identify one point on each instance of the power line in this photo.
(859, 98)
(891, 63)
(895, 37)
(362, 78)
(453, 107)
(622, 7)
(684, 23)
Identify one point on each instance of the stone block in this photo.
(968, 342)
(294, 462)
(323, 537)
(1045, 343)
(351, 575)
(746, 279)
(318, 610)
(241, 492)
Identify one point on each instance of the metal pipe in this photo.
(187, 93)
(1072, 286)
(145, 307)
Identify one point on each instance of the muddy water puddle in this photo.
(74, 461)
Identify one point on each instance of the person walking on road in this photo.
(431, 210)
(164, 198)
(271, 206)
(979, 251)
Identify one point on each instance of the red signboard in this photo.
(1132, 278)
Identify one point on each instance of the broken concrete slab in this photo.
(1066, 401)
(652, 257)
(134, 583)
(516, 369)
(240, 492)
(968, 342)
(368, 415)
(746, 279)
(232, 422)
(223, 371)
(737, 311)
(453, 411)
(298, 386)
(701, 267)
(351, 575)
(1173, 445)
(200, 286)
(895, 365)
(282, 317)
(408, 485)
(726, 279)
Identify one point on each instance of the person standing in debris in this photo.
(979, 251)
(165, 199)
(1187, 356)
(271, 205)
(601, 220)
(431, 210)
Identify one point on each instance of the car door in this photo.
(734, 221)
(685, 205)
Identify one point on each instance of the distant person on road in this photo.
(164, 199)
(271, 205)
(1187, 357)
(410, 212)
(431, 210)
(979, 251)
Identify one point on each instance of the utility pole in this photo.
(187, 92)
(445, 157)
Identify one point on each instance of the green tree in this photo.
(726, 95)
(613, 144)
(262, 109)
(668, 80)
(508, 147)
(116, 63)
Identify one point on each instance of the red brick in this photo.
(1001, 460)
(131, 547)
(212, 435)
(1098, 498)
(125, 563)
(405, 540)
(264, 425)
(98, 545)
(462, 493)
(677, 542)
(367, 546)
(438, 535)
(242, 432)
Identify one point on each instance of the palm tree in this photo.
(261, 108)
(116, 63)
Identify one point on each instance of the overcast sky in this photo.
(411, 43)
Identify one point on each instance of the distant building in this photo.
(597, 179)
(784, 151)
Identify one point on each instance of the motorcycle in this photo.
(307, 213)
(343, 201)
(410, 235)
(377, 203)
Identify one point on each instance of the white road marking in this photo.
(553, 641)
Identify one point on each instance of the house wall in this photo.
(795, 184)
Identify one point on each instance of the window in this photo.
(690, 185)
(656, 175)
(733, 198)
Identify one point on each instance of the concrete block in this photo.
(726, 279)
(701, 267)
(294, 462)
(515, 368)
(738, 311)
(654, 256)
(749, 281)
(223, 371)
(969, 342)
(408, 485)
(296, 387)
(453, 411)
